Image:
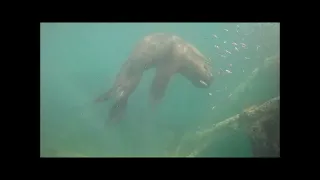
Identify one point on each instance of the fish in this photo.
(255, 71)
(236, 49)
(237, 29)
(258, 47)
(204, 83)
(215, 36)
(243, 45)
(228, 71)
(228, 52)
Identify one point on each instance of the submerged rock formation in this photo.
(260, 123)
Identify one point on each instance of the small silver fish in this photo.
(236, 48)
(216, 46)
(246, 58)
(229, 95)
(223, 56)
(226, 30)
(234, 44)
(228, 71)
(202, 82)
(255, 71)
(215, 36)
(228, 51)
(243, 45)
(258, 47)
(213, 107)
(210, 94)
(224, 41)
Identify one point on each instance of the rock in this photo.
(260, 123)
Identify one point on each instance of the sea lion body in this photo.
(168, 54)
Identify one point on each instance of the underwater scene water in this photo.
(80, 62)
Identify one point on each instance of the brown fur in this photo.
(169, 54)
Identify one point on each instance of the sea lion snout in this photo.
(206, 73)
(199, 73)
(194, 65)
(203, 79)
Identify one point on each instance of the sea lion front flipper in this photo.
(159, 85)
(118, 109)
(104, 97)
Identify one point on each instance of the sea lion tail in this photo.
(104, 97)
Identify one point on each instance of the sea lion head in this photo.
(196, 68)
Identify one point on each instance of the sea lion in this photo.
(168, 54)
